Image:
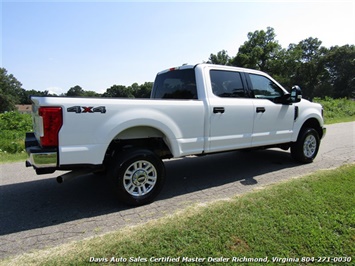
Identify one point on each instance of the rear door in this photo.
(273, 121)
(230, 111)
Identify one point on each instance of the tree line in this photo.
(318, 70)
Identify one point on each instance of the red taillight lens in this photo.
(52, 122)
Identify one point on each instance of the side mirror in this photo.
(296, 94)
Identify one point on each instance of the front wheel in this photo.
(137, 176)
(307, 146)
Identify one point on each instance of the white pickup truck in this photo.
(194, 110)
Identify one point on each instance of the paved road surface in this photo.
(36, 212)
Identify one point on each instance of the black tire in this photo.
(137, 176)
(307, 146)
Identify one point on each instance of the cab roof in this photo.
(214, 66)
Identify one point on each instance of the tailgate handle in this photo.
(218, 110)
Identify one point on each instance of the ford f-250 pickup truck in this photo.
(193, 110)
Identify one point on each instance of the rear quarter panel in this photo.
(85, 137)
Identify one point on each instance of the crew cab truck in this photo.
(193, 110)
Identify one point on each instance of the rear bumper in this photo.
(44, 160)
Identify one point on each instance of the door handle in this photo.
(260, 109)
(218, 110)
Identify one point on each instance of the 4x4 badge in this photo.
(87, 109)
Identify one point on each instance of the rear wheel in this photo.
(137, 176)
(307, 146)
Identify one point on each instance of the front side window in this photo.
(176, 84)
(264, 88)
(227, 84)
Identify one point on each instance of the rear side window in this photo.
(176, 84)
(227, 84)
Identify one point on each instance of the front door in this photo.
(273, 122)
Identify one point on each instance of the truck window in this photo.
(264, 88)
(227, 84)
(175, 84)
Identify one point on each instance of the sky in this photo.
(56, 45)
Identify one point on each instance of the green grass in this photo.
(337, 110)
(312, 216)
(12, 157)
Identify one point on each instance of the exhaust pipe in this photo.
(71, 175)
(66, 177)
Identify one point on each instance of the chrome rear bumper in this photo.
(44, 160)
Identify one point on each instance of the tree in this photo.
(10, 91)
(142, 91)
(25, 97)
(75, 91)
(310, 49)
(308, 66)
(91, 94)
(222, 58)
(118, 91)
(6, 103)
(259, 51)
(284, 68)
(134, 88)
(340, 64)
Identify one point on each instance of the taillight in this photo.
(52, 122)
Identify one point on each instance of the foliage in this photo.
(118, 91)
(259, 51)
(319, 71)
(340, 63)
(222, 58)
(15, 121)
(13, 127)
(75, 91)
(336, 110)
(308, 70)
(10, 91)
(25, 97)
(313, 216)
(11, 141)
(133, 91)
(142, 91)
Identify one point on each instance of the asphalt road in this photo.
(36, 212)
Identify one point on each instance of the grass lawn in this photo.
(12, 157)
(311, 218)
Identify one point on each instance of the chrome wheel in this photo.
(140, 178)
(306, 147)
(309, 146)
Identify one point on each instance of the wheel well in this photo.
(313, 123)
(140, 132)
(156, 145)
